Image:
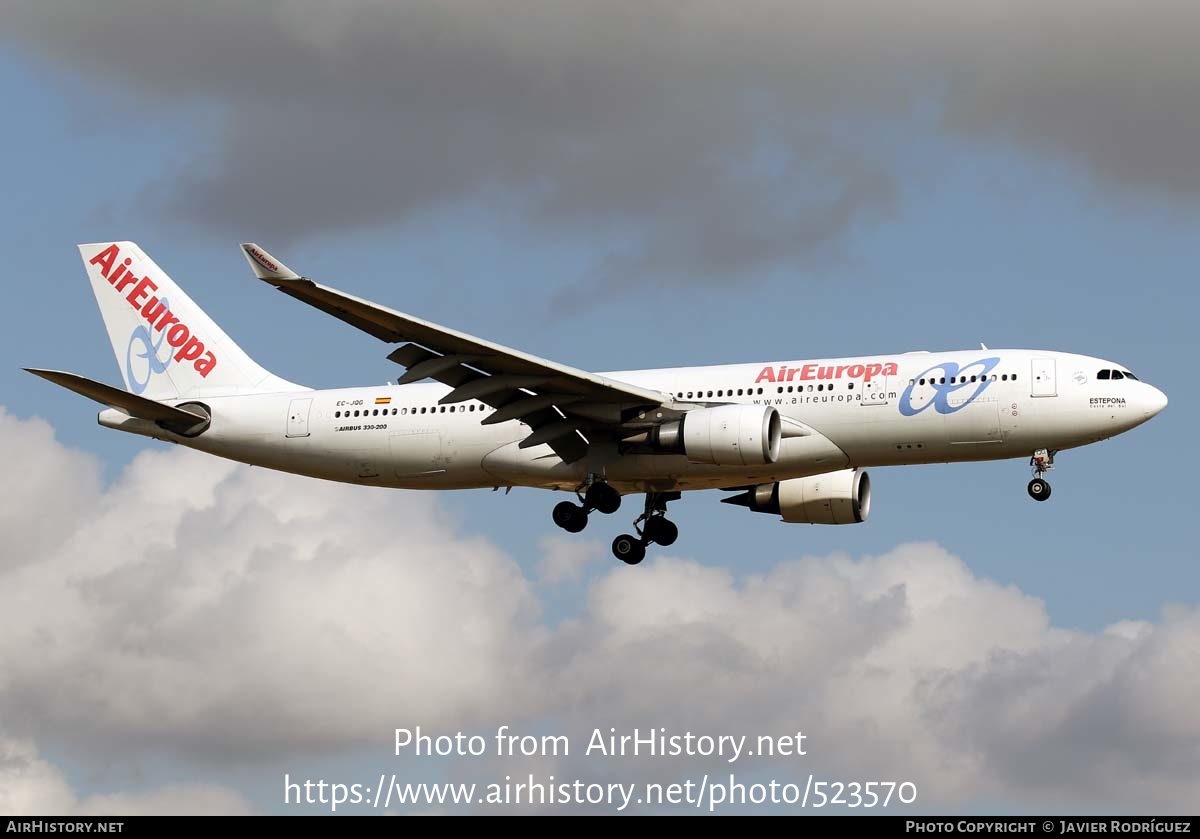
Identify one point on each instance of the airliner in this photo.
(788, 438)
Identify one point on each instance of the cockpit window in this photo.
(1129, 375)
(1104, 374)
(1117, 374)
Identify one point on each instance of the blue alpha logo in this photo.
(151, 362)
(936, 385)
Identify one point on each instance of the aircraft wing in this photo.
(556, 401)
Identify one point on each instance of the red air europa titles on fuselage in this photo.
(815, 372)
(141, 296)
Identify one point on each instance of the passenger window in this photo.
(760, 391)
(1014, 377)
(922, 381)
(850, 386)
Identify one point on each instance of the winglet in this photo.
(265, 266)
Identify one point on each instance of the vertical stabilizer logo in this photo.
(151, 351)
(183, 347)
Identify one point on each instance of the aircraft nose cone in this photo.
(1156, 400)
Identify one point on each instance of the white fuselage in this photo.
(877, 411)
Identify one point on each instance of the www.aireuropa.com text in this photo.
(705, 793)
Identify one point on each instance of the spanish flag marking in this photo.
(383, 400)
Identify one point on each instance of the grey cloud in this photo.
(217, 615)
(689, 143)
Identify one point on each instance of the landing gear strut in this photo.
(1041, 462)
(651, 526)
(596, 494)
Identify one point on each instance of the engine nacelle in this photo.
(842, 497)
(728, 435)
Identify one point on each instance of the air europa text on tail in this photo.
(141, 296)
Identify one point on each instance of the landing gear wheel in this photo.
(570, 516)
(1039, 489)
(661, 531)
(600, 496)
(629, 549)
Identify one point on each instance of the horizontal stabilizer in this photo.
(173, 419)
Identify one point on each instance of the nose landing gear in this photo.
(1042, 462)
(651, 526)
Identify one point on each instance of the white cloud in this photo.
(564, 559)
(226, 609)
(31, 786)
(211, 614)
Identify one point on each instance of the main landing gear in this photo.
(598, 495)
(651, 526)
(1042, 462)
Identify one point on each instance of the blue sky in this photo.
(984, 238)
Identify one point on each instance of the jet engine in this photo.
(842, 497)
(727, 435)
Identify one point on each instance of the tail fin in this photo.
(166, 346)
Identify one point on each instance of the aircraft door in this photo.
(876, 391)
(1042, 377)
(297, 421)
